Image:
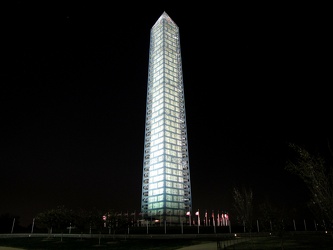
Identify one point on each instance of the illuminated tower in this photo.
(166, 185)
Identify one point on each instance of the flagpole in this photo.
(258, 225)
(214, 221)
(181, 223)
(198, 215)
(13, 225)
(165, 222)
(32, 227)
(189, 217)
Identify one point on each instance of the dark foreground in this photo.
(169, 242)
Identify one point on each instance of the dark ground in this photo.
(309, 240)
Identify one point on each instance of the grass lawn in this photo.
(94, 243)
(295, 242)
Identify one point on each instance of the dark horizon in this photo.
(75, 90)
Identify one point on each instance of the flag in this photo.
(227, 220)
(197, 213)
(222, 220)
(213, 218)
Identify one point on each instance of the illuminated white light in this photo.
(166, 172)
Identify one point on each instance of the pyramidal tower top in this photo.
(166, 17)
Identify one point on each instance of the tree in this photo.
(58, 218)
(111, 220)
(81, 220)
(95, 219)
(275, 219)
(243, 204)
(318, 177)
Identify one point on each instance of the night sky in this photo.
(73, 94)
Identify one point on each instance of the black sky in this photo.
(73, 98)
